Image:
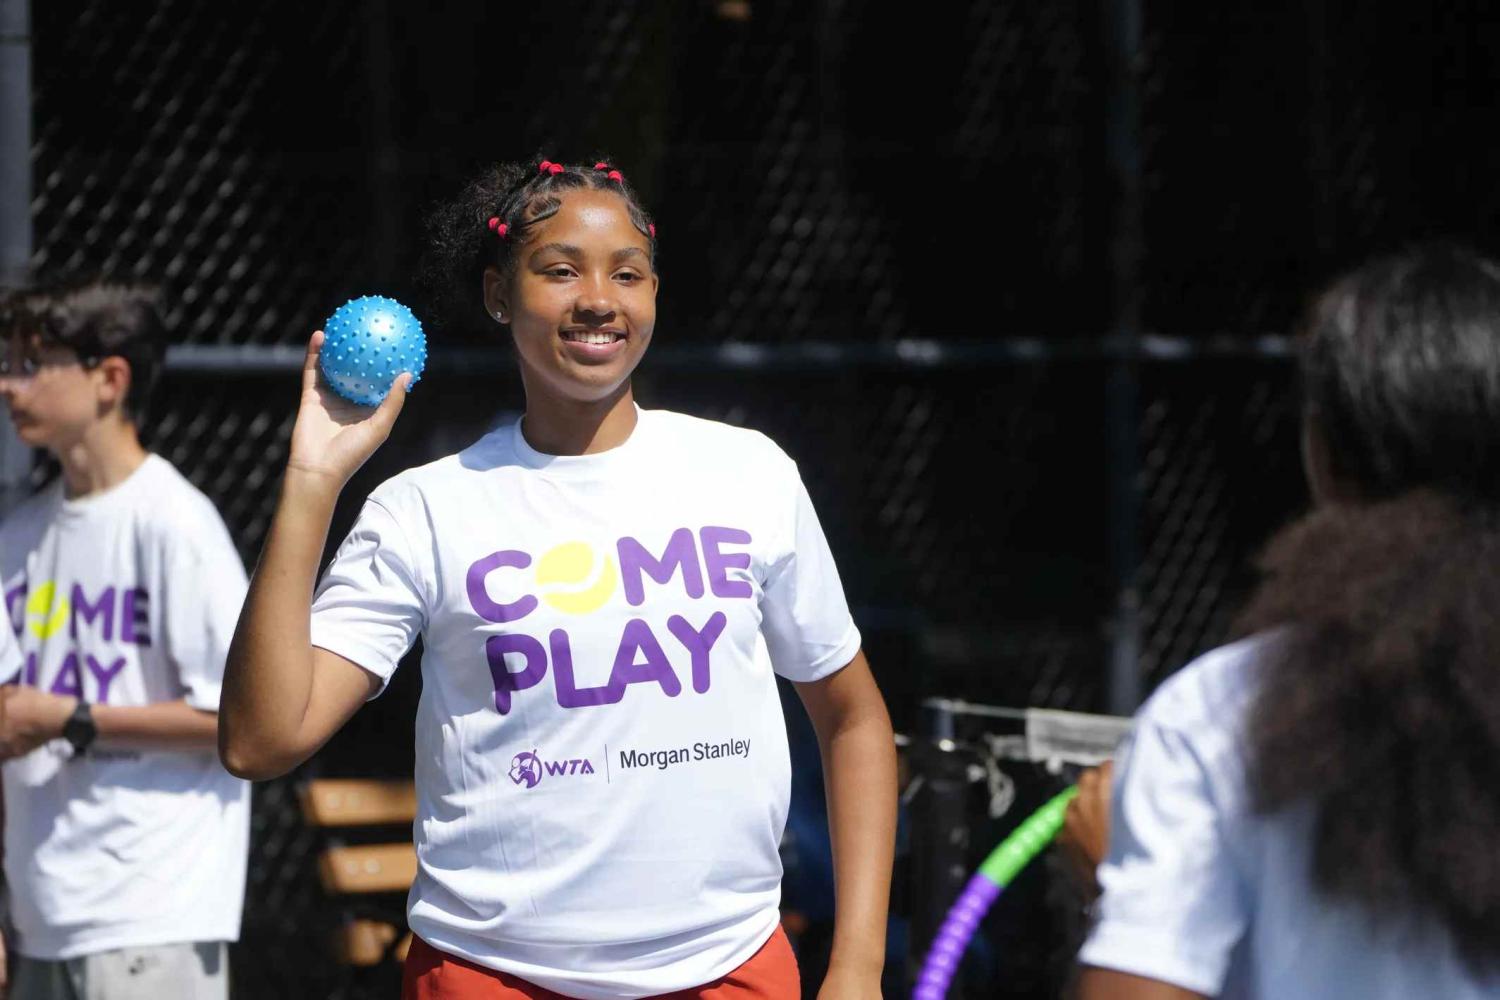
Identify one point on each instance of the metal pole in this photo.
(1121, 392)
(940, 831)
(821, 356)
(15, 142)
(384, 155)
(1320, 129)
(15, 205)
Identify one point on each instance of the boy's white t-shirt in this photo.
(126, 597)
(601, 760)
(1203, 893)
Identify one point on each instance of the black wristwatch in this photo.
(80, 730)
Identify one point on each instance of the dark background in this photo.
(1011, 281)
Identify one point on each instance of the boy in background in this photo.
(125, 839)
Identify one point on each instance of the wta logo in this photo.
(527, 768)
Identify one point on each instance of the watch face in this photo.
(80, 730)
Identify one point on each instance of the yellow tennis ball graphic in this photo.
(570, 578)
(46, 613)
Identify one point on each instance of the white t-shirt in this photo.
(601, 760)
(125, 597)
(1203, 893)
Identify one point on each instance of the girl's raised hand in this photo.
(333, 437)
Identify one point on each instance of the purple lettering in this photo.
(575, 765)
(635, 560)
(15, 606)
(639, 640)
(699, 643)
(104, 607)
(104, 676)
(32, 665)
(507, 681)
(569, 694)
(719, 563)
(479, 598)
(68, 681)
(135, 615)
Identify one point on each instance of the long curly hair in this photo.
(464, 235)
(1380, 700)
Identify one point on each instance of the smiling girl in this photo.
(597, 588)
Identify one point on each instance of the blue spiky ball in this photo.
(367, 342)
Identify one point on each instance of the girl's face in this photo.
(582, 301)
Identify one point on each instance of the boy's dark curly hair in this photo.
(97, 318)
(463, 236)
(1380, 701)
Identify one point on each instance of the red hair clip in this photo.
(601, 165)
(614, 175)
(548, 167)
(652, 227)
(499, 228)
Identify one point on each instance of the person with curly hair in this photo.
(1314, 810)
(604, 595)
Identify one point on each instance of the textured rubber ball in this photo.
(367, 342)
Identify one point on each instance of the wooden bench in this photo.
(364, 870)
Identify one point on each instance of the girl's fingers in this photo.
(390, 407)
(310, 361)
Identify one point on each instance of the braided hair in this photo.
(487, 224)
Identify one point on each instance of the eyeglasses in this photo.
(32, 362)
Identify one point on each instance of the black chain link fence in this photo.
(908, 212)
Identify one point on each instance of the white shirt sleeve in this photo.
(204, 589)
(1174, 905)
(369, 606)
(805, 617)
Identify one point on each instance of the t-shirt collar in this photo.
(104, 499)
(582, 466)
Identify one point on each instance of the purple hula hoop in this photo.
(954, 936)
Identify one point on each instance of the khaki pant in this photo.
(189, 971)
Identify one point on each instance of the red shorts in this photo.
(770, 974)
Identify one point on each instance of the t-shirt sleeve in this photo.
(804, 615)
(369, 606)
(1174, 905)
(204, 591)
